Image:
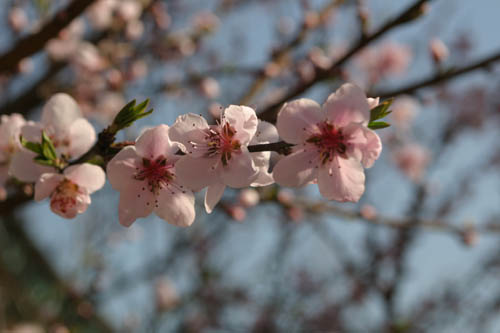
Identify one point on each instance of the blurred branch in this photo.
(440, 77)
(269, 112)
(33, 43)
(280, 54)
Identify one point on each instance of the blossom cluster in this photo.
(160, 172)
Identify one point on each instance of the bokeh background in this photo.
(420, 251)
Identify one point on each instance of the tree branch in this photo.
(440, 77)
(35, 42)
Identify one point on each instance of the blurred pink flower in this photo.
(71, 134)
(387, 59)
(404, 109)
(217, 155)
(166, 296)
(70, 192)
(18, 20)
(412, 159)
(249, 197)
(100, 14)
(10, 129)
(146, 177)
(333, 144)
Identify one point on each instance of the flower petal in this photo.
(89, 176)
(32, 132)
(363, 143)
(213, 195)
(297, 169)
(155, 142)
(347, 105)
(266, 133)
(240, 170)
(176, 207)
(46, 184)
(196, 173)
(136, 201)
(24, 168)
(298, 120)
(81, 137)
(342, 180)
(189, 128)
(60, 111)
(122, 168)
(244, 120)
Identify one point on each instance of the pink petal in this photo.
(297, 169)
(244, 120)
(10, 127)
(342, 180)
(89, 176)
(347, 105)
(155, 142)
(364, 144)
(81, 137)
(60, 111)
(373, 102)
(46, 184)
(32, 132)
(135, 202)
(176, 207)
(122, 168)
(266, 133)
(298, 120)
(24, 168)
(240, 170)
(196, 173)
(189, 128)
(213, 195)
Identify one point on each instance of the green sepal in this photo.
(32, 146)
(48, 149)
(129, 114)
(381, 110)
(375, 125)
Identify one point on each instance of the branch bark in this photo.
(31, 44)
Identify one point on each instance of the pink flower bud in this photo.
(166, 296)
(295, 213)
(237, 213)
(404, 110)
(215, 110)
(18, 20)
(439, 51)
(368, 212)
(134, 30)
(285, 197)
(470, 236)
(206, 22)
(249, 197)
(209, 87)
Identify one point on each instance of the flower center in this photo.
(329, 141)
(64, 197)
(156, 172)
(221, 141)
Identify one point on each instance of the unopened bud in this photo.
(237, 213)
(470, 236)
(166, 296)
(439, 51)
(249, 197)
(368, 212)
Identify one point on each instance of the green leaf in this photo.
(381, 110)
(375, 125)
(129, 114)
(48, 149)
(33, 146)
(43, 161)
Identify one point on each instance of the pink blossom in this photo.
(100, 14)
(385, 60)
(70, 192)
(217, 155)
(412, 159)
(332, 142)
(404, 109)
(10, 129)
(129, 10)
(71, 134)
(166, 295)
(146, 177)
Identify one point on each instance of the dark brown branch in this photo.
(33, 43)
(269, 112)
(441, 77)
